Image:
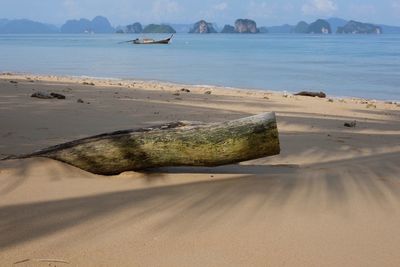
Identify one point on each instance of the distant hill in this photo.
(355, 27)
(301, 27)
(181, 28)
(263, 30)
(203, 26)
(98, 25)
(76, 26)
(320, 26)
(336, 23)
(25, 26)
(134, 28)
(3, 21)
(390, 29)
(156, 28)
(228, 29)
(101, 25)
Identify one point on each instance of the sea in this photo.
(365, 66)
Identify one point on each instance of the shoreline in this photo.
(144, 82)
(200, 97)
(276, 64)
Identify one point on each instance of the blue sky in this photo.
(265, 12)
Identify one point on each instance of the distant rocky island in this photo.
(98, 25)
(320, 26)
(246, 26)
(263, 30)
(228, 29)
(101, 24)
(25, 26)
(334, 25)
(355, 27)
(151, 28)
(203, 26)
(131, 28)
(158, 28)
(243, 26)
(301, 27)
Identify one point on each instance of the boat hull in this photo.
(165, 41)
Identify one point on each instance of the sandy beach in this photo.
(331, 198)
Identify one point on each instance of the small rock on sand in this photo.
(15, 82)
(88, 83)
(185, 90)
(207, 92)
(350, 124)
(80, 101)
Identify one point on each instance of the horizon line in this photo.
(191, 23)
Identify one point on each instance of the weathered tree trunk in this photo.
(173, 144)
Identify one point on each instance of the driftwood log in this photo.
(312, 94)
(172, 144)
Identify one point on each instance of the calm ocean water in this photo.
(347, 65)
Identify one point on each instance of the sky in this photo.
(264, 12)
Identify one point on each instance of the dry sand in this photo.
(332, 198)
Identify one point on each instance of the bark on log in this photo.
(172, 144)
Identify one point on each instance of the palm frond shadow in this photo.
(268, 188)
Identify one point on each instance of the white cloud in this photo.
(258, 10)
(71, 7)
(288, 7)
(319, 7)
(217, 11)
(221, 6)
(363, 11)
(396, 6)
(165, 9)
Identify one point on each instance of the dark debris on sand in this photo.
(352, 124)
(44, 95)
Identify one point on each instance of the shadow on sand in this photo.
(265, 187)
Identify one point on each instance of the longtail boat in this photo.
(151, 41)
